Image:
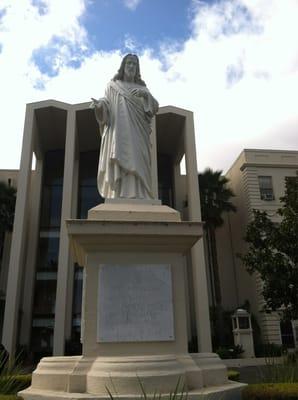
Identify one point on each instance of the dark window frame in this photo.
(266, 187)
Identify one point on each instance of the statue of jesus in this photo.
(124, 117)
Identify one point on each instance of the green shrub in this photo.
(268, 350)
(14, 383)
(11, 378)
(233, 375)
(292, 357)
(271, 391)
(229, 352)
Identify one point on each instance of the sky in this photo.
(234, 63)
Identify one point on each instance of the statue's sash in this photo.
(134, 100)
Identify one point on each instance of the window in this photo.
(287, 334)
(88, 195)
(52, 190)
(243, 322)
(266, 188)
(48, 251)
(165, 179)
(45, 298)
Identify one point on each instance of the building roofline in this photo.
(257, 151)
(85, 105)
(271, 151)
(49, 103)
(174, 109)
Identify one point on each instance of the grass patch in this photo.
(287, 372)
(271, 391)
(9, 397)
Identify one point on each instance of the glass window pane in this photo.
(165, 179)
(42, 339)
(48, 251)
(77, 292)
(51, 206)
(243, 322)
(88, 196)
(44, 297)
(266, 188)
(53, 168)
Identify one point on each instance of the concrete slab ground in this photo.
(252, 370)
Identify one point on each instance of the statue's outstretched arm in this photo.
(101, 109)
(150, 105)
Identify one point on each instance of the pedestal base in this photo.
(199, 376)
(134, 328)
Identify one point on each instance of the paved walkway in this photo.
(252, 370)
(251, 374)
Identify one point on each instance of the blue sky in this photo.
(131, 25)
(234, 63)
(150, 24)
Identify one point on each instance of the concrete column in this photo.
(154, 175)
(197, 252)
(64, 260)
(16, 264)
(70, 284)
(33, 237)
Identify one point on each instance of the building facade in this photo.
(257, 179)
(43, 286)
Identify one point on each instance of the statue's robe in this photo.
(124, 169)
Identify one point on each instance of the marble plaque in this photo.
(135, 303)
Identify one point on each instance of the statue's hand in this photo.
(95, 103)
(140, 93)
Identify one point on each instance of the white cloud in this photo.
(260, 43)
(130, 43)
(23, 30)
(238, 72)
(131, 4)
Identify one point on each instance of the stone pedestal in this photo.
(134, 311)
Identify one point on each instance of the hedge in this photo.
(271, 391)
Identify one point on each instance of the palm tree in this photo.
(215, 200)
(7, 206)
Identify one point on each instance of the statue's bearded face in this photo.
(130, 67)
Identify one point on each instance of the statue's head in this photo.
(128, 64)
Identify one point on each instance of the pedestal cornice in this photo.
(138, 236)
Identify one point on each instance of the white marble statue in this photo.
(124, 117)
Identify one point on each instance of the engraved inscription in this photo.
(135, 303)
